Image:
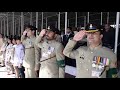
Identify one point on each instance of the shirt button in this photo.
(91, 52)
(80, 62)
(87, 69)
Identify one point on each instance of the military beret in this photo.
(18, 38)
(53, 29)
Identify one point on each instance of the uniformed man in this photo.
(52, 58)
(94, 60)
(31, 51)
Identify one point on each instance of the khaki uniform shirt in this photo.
(50, 58)
(31, 52)
(91, 63)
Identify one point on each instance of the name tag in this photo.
(30, 43)
(50, 50)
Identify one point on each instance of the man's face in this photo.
(68, 31)
(18, 41)
(9, 41)
(50, 35)
(94, 37)
(107, 27)
(13, 41)
(29, 32)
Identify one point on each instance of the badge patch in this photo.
(50, 50)
(82, 56)
(30, 43)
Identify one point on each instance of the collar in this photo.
(50, 41)
(95, 48)
(31, 37)
(69, 34)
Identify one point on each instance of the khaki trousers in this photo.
(30, 73)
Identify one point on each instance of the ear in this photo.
(101, 36)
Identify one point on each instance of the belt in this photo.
(47, 59)
(29, 48)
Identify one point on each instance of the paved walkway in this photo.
(3, 73)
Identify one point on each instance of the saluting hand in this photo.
(42, 33)
(79, 36)
(25, 32)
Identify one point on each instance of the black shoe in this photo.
(2, 65)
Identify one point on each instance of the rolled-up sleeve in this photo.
(68, 50)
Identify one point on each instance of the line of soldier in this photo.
(45, 54)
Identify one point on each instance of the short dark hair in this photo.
(6, 36)
(18, 38)
(10, 38)
(70, 28)
(74, 29)
(32, 28)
